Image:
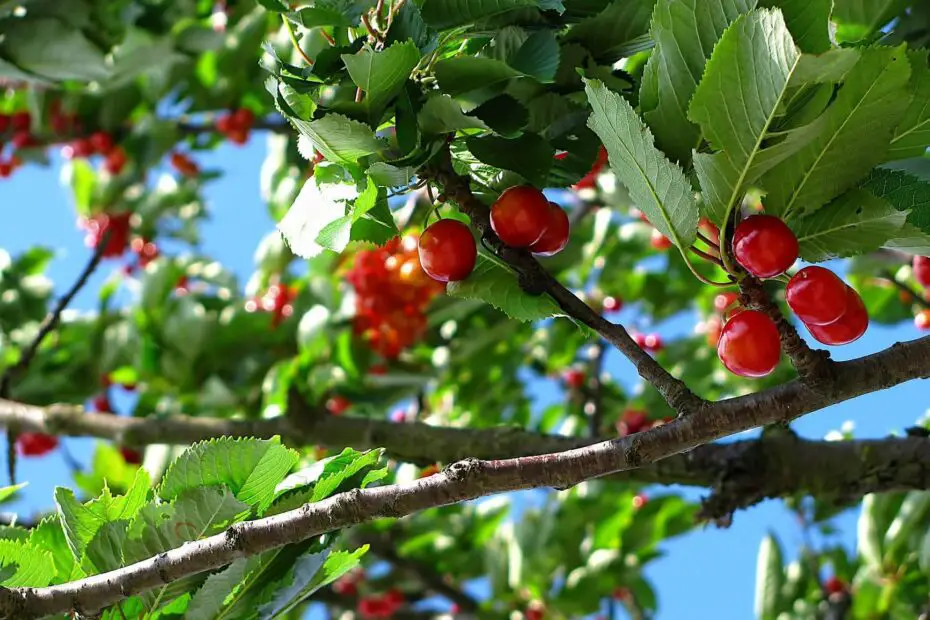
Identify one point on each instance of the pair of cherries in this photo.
(522, 217)
(832, 311)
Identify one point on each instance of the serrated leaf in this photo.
(769, 579)
(737, 101)
(341, 469)
(49, 535)
(81, 522)
(442, 14)
(808, 21)
(462, 74)
(315, 208)
(249, 467)
(824, 68)
(619, 30)
(381, 75)
(24, 565)
(498, 286)
(658, 187)
(853, 136)
(855, 223)
(208, 601)
(685, 32)
(311, 572)
(9, 492)
(340, 139)
(912, 135)
(529, 155)
(377, 226)
(904, 192)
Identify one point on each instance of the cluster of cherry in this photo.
(921, 269)
(15, 129)
(372, 606)
(277, 300)
(392, 292)
(832, 311)
(98, 143)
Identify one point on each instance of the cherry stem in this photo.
(706, 256)
(710, 244)
(699, 276)
(329, 38)
(293, 37)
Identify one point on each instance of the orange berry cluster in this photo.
(392, 293)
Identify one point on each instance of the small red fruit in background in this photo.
(21, 121)
(659, 241)
(612, 304)
(115, 161)
(632, 421)
(556, 236)
(184, 164)
(6, 169)
(78, 149)
(713, 326)
(574, 378)
(724, 301)
(145, 250)
(764, 246)
(640, 340)
(590, 180)
(921, 266)
(710, 230)
(101, 142)
(639, 501)
(447, 251)
(5, 121)
(101, 404)
(817, 295)
(36, 444)
(535, 613)
(849, 327)
(131, 456)
(749, 345)
(337, 405)
(922, 320)
(116, 224)
(520, 216)
(22, 140)
(653, 343)
(430, 470)
(834, 585)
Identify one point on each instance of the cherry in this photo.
(658, 241)
(378, 369)
(534, 613)
(345, 587)
(101, 142)
(116, 224)
(653, 343)
(244, 118)
(398, 416)
(184, 164)
(764, 246)
(101, 404)
(639, 500)
(6, 169)
(21, 121)
(22, 140)
(834, 585)
(612, 304)
(447, 251)
(337, 405)
(556, 236)
(816, 295)
(5, 121)
(36, 444)
(520, 216)
(849, 327)
(710, 230)
(590, 180)
(921, 266)
(78, 149)
(131, 456)
(146, 250)
(430, 470)
(749, 345)
(622, 594)
(632, 421)
(724, 301)
(115, 161)
(574, 378)
(640, 340)
(922, 320)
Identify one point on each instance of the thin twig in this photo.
(904, 288)
(593, 406)
(293, 37)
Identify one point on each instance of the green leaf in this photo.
(860, 18)
(657, 186)
(910, 520)
(49, 535)
(808, 21)
(81, 522)
(381, 75)
(852, 136)
(538, 57)
(8, 493)
(462, 74)
(387, 175)
(209, 600)
(316, 207)
(905, 193)
(278, 6)
(770, 578)
(377, 226)
(503, 114)
(24, 565)
(618, 31)
(530, 156)
(498, 286)
(249, 467)
(685, 33)
(443, 114)
(52, 49)
(340, 470)
(340, 139)
(311, 572)
(443, 14)
(336, 13)
(736, 103)
(855, 223)
(824, 68)
(912, 135)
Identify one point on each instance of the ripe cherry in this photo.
(922, 320)
(21, 121)
(710, 230)
(337, 405)
(22, 140)
(653, 343)
(764, 246)
(749, 345)
(849, 327)
(590, 180)
(659, 241)
(98, 226)
(520, 216)
(101, 404)
(6, 169)
(612, 304)
(574, 378)
(632, 421)
(36, 444)
(639, 500)
(713, 328)
(447, 251)
(184, 164)
(534, 613)
(78, 149)
(115, 161)
(816, 295)
(131, 456)
(921, 267)
(556, 236)
(834, 585)
(724, 301)
(101, 142)
(5, 121)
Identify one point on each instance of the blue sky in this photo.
(708, 573)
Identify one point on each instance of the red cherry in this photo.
(185, 165)
(132, 457)
(640, 340)
(243, 118)
(639, 500)
(723, 301)
(101, 142)
(574, 378)
(922, 320)
(79, 149)
(612, 304)
(225, 123)
(21, 121)
(6, 169)
(337, 405)
(22, 140)
(447, 251)
(534, 613)
(653, 343)
(430, 470)
(714, 328)
(238, 136)
(556, 236)
(622, 594)
(345, 587)
(5, 121)
(101, 404)
(834, 585)
(659, 241)
(395, 597)
(849, 327)
(710, 230)
(520, 216)
(36, 444)
(816, 295)
(590, 179)
(102, 223)
(115, 161)
(764, 246)
(921, 267)
(633, 421)
(749, 345)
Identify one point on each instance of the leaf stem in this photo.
(293, 37)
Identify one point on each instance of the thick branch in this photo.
(536, 279)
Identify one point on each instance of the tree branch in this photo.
(473, 478)
(535, 279)
(915, 297)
